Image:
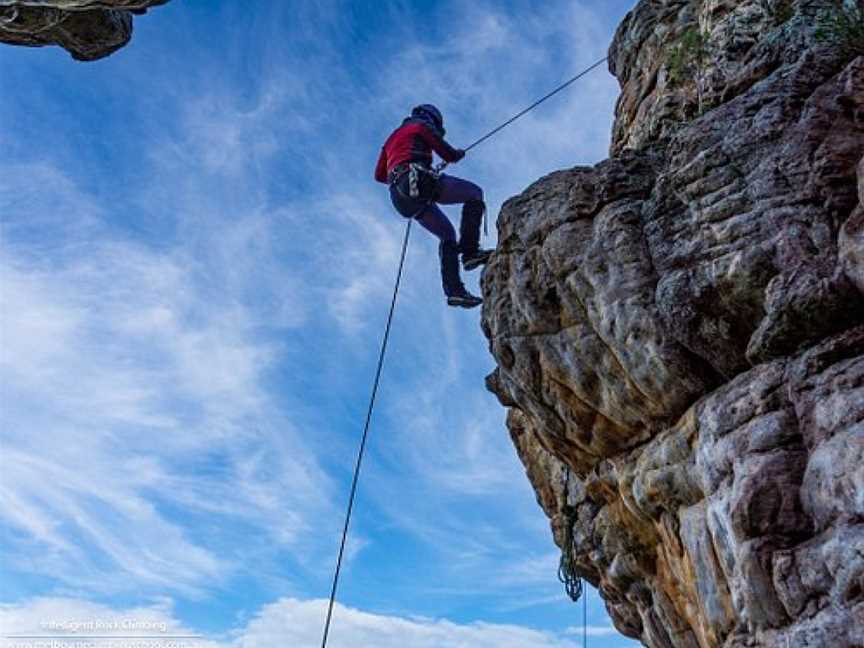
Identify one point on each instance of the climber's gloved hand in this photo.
(459, 155)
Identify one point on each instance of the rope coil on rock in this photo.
(574, 586)
(567, 567)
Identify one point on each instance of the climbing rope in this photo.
(384, 341)
(537, 103)
(361, 452)
(495, 130)
(521, 113)
(585, 620)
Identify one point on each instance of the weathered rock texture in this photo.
(680, 329)
(87, 29)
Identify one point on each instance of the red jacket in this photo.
(413, 141)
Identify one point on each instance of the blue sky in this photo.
(196, 267)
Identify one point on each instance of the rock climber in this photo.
(416, 191)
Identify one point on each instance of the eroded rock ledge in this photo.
(87, 29)
(681, 328)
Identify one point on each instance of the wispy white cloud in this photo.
(591, 631)
(287, 622)
(131, 388)
(298, 623)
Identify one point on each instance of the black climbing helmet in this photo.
(430, 113)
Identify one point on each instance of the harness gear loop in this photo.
(415, 170)
(413, 182)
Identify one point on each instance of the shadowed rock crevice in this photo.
(679, 333)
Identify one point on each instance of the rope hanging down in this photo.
(384, 341)
(585, 620)
(365, 434)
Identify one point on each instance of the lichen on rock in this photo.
(87, 29)
(680, 329)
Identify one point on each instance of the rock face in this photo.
(679, 332)
(87, 29)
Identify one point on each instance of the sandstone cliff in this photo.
(87, 29)
(679, 331)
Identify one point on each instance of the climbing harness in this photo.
(415, 192)
(416, 172)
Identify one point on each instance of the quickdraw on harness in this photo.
(415, 171)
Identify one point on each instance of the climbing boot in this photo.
(454, 289)
(464, 300)
(475, 259)
(469, 235)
